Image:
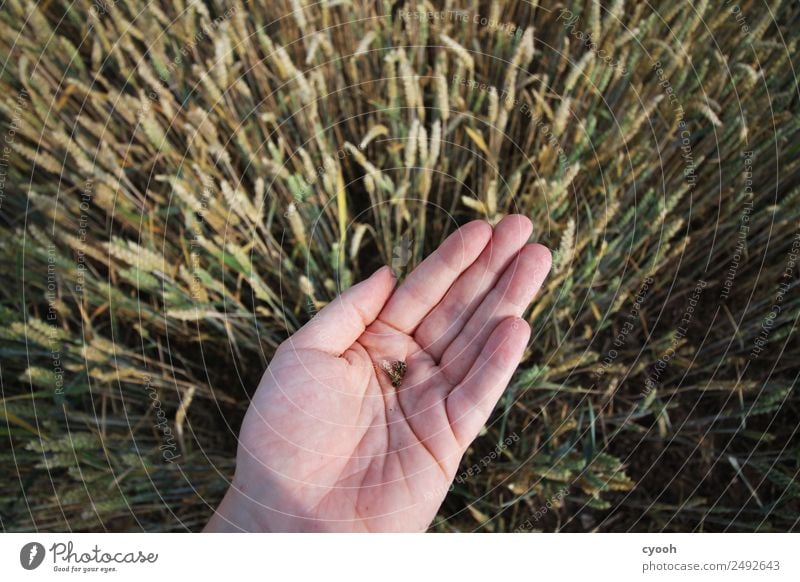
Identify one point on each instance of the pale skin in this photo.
(329, 444)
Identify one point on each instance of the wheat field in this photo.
(184, 184)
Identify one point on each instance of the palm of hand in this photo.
(329, 443)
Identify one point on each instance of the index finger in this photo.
(429, 282)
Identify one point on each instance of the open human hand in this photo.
(339, 437)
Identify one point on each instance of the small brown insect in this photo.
(395, 369)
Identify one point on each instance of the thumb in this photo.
(341, 322)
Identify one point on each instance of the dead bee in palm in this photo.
(395, 369)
